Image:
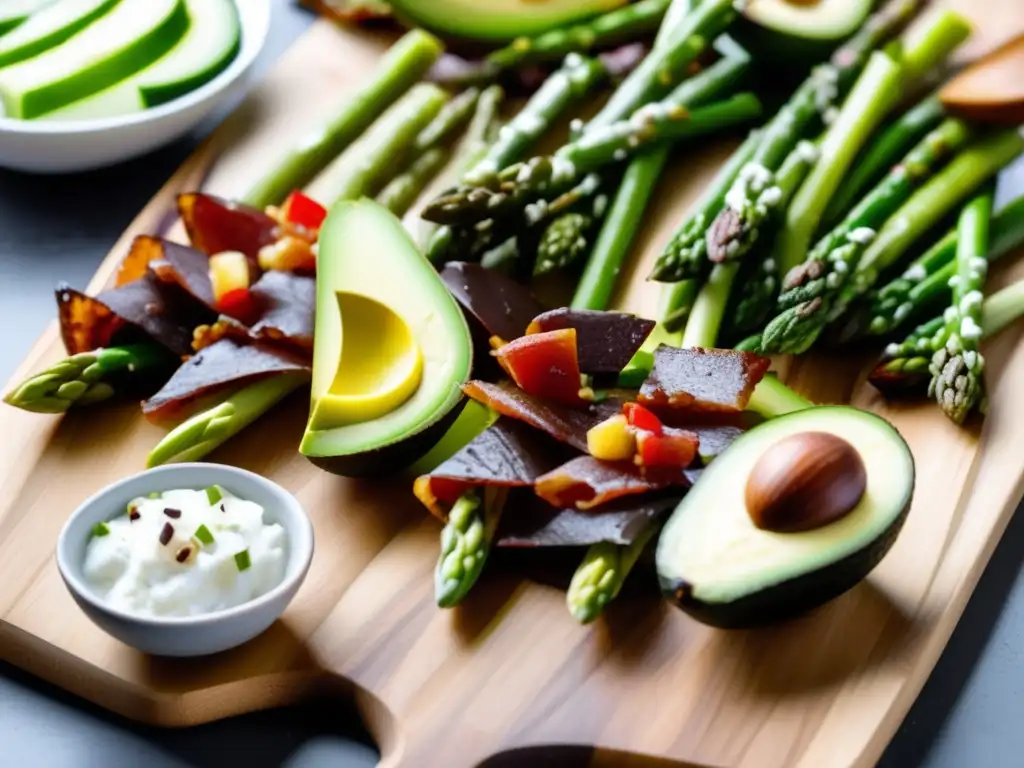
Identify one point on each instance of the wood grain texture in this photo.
(510, 669)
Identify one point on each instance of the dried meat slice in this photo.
(529, 521)
(165, 312)
(565, 424)
(713, 440)
(695, 380)
(605, 341)
(215, 225)
(586, 482)
(499, 305)
(508, 454)
(285, 306)
(87, 324)
(187, 267)
(226, 364)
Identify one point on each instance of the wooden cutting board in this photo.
(509, 669)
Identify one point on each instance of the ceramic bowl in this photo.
(52, 146)
(193, 635)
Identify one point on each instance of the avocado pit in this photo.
(805, 481)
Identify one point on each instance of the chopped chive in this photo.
(204, 535)
(214, 494)
(154, 495)
(242, 561)
(100, 529)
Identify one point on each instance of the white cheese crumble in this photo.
(861, 235)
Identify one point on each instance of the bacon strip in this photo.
(586, 483)
(702, 380)
(606, 341)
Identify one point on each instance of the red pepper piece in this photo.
(304, 211)
(544, 365)
(673, 448)
(238, 304)
(641, 418)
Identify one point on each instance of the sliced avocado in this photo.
(498, 20)
(391, 351)
(210, 45)
(15, 12)
(722, 569)
(130, 37)
(798, 29)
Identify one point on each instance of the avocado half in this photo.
(798, 30)
(391, 349)
(498, 20)
(717, 566)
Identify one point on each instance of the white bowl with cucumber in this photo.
(88, 83)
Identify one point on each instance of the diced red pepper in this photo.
(641, 418)
(238, 304)
(304, 211)
(673, 448)
(544, 365)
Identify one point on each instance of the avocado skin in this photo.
(793, 597)
(390, 458)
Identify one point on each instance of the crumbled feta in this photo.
(969, 329)
(861, 235)
(916, 272)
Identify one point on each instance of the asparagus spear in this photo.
(578, 77)
(402, 191)
(772, 398)
(563, 243)
(480, 135)
(753, 198)
(516, 186)
(601, 575)
(197, 436)
(630, 22)
(926, 281)
(91, 377)
(685, 39)
(957, 365)
(403, 65)
(685, 254)
(465, 544)
(677, 302)
(893, 143)
(369, 163)
(757, 293)
(929, 205)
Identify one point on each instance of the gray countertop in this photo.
(59, 228)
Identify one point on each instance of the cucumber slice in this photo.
(14, 12)
(50, 27)
(213, 39)
(132, 36)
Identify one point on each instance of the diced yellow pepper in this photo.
(612, 440)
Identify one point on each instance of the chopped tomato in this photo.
(304, 211)
(544, 365)
(238, 304)
(641, 418)
(673, 448)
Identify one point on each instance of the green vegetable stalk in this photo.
(957, 365)
(601, 575)
(465, 544)
(631, 22)
(371, 162)
(405, 63)
(91, 377)
(199, 435)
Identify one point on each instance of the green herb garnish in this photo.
(154, 495)
(214, 494)
(100, 529)
(242, 561)
(204, 535)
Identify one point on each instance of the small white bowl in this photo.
(192, 635)
(63, 146)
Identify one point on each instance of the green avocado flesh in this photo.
(716, 565)
(822, 20)
(499, 20)
(380, 304)
(14, 12)
(130, 37)
(50, 27)
(210, 45)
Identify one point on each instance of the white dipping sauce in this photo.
(156, 560)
